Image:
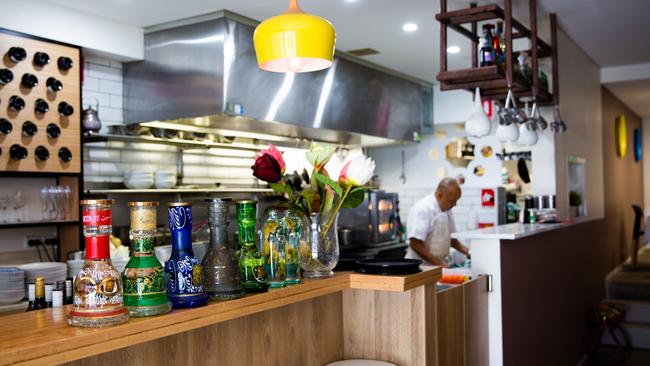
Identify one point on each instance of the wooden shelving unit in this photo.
(494, 80)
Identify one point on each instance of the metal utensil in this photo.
(402, 176)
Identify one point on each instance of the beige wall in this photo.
(623, 179)
(580, 106)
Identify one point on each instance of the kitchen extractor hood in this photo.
(201, 74)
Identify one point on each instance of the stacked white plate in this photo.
(163, 252)
(12, 285)
(138, 179)
(165, 179)
(51, 271)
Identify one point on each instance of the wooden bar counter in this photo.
(349, 315)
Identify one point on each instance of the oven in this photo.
(373, 223)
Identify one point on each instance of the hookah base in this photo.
(151, 310)
(188, 301)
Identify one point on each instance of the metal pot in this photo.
(345, 236)
(90, 118)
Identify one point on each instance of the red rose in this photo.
(269, 165)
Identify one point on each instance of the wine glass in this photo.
(67, 195)
(4, 204)
(45, 197)
(18, 203)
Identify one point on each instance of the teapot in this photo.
(90, 118)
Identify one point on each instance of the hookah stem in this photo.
(330, 219)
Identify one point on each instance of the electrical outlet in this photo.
(33, 241)
(51, 241)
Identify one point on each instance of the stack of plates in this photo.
(165, 179)
(138, 179)
(12, 285)
(52, 271)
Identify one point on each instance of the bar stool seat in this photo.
(360, 363)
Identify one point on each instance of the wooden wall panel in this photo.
(304, 333)
(70, 125)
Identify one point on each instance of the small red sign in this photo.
(97, 217)
(487, 197)
(482, 225)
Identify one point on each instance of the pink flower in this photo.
(357, 172)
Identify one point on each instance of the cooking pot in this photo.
(90, 118)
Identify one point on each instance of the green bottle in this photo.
(251, 261)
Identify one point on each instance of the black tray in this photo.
(389, 266)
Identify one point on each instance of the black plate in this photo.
(389, 266)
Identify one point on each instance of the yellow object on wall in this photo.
(621, 136)
(294, 42)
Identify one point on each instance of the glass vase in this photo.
(319, 254)
(275, 249)
(295, 233)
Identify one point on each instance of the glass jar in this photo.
(143, 278)
(219, 264)
(319, 254)
(275, 249)
(251, 262)
(294, 228)
(183, 270)
(98, 298)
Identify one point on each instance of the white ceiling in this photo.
(635, 94)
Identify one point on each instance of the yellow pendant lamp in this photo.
(294, 42)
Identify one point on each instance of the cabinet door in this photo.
(475, 296)
(451, 331)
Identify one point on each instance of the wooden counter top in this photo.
(44, 337)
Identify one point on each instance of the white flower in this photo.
(318, 155)
(357, 172)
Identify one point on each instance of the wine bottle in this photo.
(6, 76)
(53, 85)
(29, 129)
(41, 59)
(17, 152)
(29, 80)
(65, 154)
(41, 153)
(68, 291)
(16, 103)
(57, 298)
(49, 287)
(39, 300)
(65, 109)
(31, 296)
(64, 63)
(16, 54)
(41, 106)
(53, 131)
(5, 126)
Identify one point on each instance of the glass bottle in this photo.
(49, 287)
(251, 263)
(220, 272)
(144, 279)
(39, 291)
(294, 233)
(487, 51)
(97, 290)
(182, 270)
(275, 249)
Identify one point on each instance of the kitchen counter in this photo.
(508, 232)
(315, 322)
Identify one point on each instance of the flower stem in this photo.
(333, 213)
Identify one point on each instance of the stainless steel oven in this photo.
(374, 222)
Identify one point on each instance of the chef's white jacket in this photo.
(432, 225)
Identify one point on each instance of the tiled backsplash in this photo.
(103, 83)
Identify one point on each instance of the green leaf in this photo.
(280, 188)
(355, 198)
(329, 201)
(327, 181)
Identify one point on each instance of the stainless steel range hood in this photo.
(201, 73)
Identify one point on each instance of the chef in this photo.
(430, 225)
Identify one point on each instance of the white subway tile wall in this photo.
(103, 85)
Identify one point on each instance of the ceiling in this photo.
(611, 32)
(635, 94)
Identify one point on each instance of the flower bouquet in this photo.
(318, 198)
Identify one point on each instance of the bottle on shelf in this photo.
(41, 59)
(29, 80)
(251, 262)
(275, 249)
(39, 301)
(65, 154)
(5, 126)
(16, 54)
(31, 296)
(49, 287)
(68, 291)
(183, 270)
(64, 63)
(53, 85)
(16, 103)
(42, 153)
(144, 278)
(29, 129)
(219, 264)
(41, 106)
(65, 109)
(294, 231)
(499, 44)
(53, 131)
(57, 298)
(98, 300)
(6, 76)
(60, 285)
(486, 52)
(17, 152)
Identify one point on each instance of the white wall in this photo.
(95, 34)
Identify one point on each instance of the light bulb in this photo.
(294, 64)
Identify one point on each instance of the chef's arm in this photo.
(418, 246)
(459, 246)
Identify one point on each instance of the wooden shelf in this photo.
(44, 337)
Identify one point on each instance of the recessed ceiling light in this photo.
(453, 49)
(351, 1)
(410, 27)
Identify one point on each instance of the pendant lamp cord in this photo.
(293, 7)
